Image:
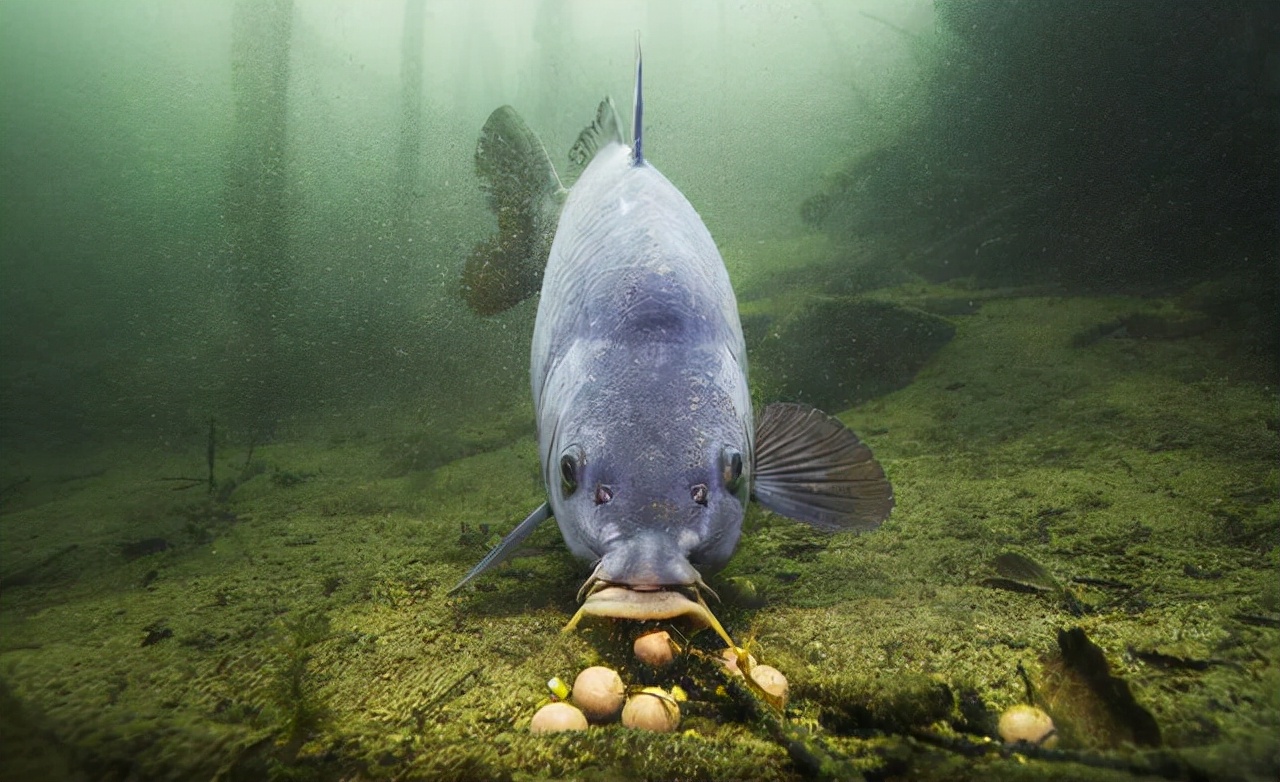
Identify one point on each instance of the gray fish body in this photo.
(639, 380)
(648, 445)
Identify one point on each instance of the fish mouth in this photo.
(620, 601)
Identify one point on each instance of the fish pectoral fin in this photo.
(812, 468)
(503, 551)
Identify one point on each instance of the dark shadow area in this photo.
(1095, 144)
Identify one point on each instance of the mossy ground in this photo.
(301, 629)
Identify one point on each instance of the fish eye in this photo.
(570, 464)
(731, 468)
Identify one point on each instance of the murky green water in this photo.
(251, 433)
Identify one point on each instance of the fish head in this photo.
(653, 483)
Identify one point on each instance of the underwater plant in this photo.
(292, 691)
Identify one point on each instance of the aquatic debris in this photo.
(833, 352)
(144, 548)
(156, 632)
(653, 709)
(557, 717)
(285, 479)
(32, 573)
(807, 750)
(1191, 571)
(599, 692)
(331, 584)
(204, 640)
(1096, 333)
(1162, 660)
(655, 649)
(1094, 706)
(474, 537)
(1149, 764)
(1257, 620)
(1025, 571)
(187, 482)
(1023, 574)
(1165, 325)
(208, 480)
(893, 703)
(1029, 725)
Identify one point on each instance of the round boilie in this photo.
(557, 717)
(774, 685)
(654, 649)
(651, 709)
(599, 692)
(1029, 724)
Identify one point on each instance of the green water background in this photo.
(1027, 251)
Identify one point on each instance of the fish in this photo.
(649, 448)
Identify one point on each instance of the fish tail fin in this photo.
(637, 111)
(524, 192)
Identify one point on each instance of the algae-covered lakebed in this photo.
(1086, 521)
(271, 270)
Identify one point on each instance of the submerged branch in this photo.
(1162, 763)
(190, 483)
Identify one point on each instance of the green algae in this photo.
(312, 637)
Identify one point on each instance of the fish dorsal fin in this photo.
(637, 111)
(810, 467)
(605, 129)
